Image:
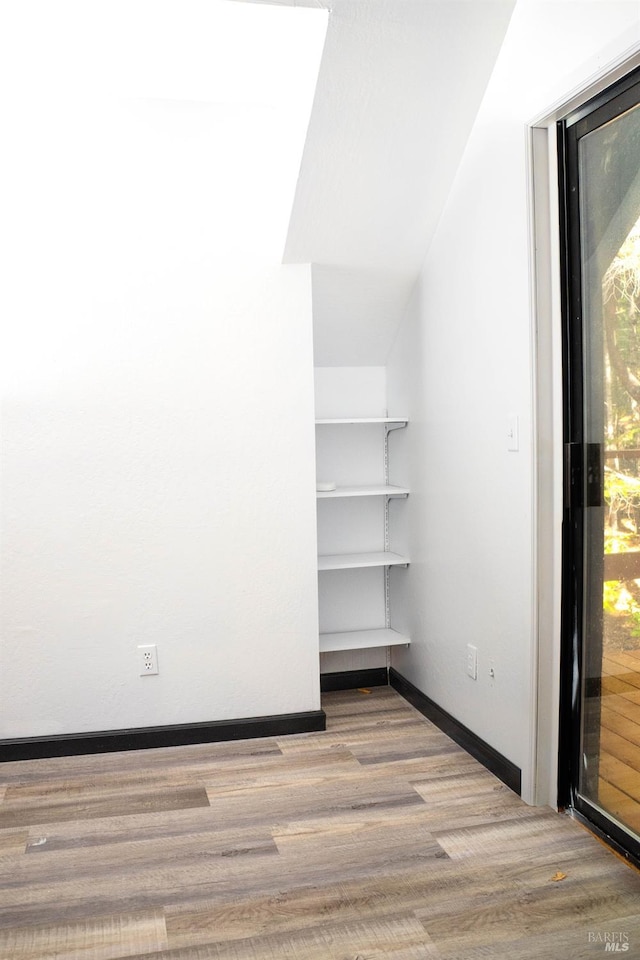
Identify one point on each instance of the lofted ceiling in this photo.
(399, 87)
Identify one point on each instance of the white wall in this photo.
(158, 487)
(462, 363)
(157, 372)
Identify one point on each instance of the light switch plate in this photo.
(513, 433)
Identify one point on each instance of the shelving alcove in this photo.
(383, 636)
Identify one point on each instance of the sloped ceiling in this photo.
(399, 87)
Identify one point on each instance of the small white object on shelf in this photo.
(325, 486)
(361, 639)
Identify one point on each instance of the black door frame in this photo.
(582, 467)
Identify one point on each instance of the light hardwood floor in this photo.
(619, 786)
(379, 839)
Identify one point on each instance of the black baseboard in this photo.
(353, 679)
(145, 738)
(504, 769)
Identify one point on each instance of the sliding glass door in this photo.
(600, 187)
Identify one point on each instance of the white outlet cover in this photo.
(148, 660)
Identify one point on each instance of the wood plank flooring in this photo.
(379, 839)
(619, 785)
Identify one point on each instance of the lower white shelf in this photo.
(361, 639)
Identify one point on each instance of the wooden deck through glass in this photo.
(619, 785)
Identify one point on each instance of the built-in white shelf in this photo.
(372, 490)
(355, 561)
(403, 420)
(385, 559)
(361, 639)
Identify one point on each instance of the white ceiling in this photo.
(167, 132)
(399, 87)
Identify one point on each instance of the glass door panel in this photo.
(608, 172)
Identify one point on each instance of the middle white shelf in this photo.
(356, 561)
(369, 490)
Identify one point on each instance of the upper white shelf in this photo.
(372, 490)
(365, 420)
(353, 561)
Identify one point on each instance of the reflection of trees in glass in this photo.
(621, 309)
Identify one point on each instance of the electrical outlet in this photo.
(472, 661)
(148, 660)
